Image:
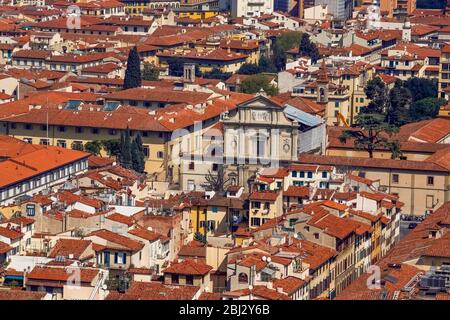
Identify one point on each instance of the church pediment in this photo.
(260, 102)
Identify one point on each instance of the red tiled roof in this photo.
(66, 247)
(289, 285)
(4, 248)
(10, 234)
(115, 238)
(296, 191)
(155, 291)
(189, 267)
(60, 274)
(145, 234)
(117, 217)
(28, 165)
(12, 294)
(71, 198)
(365, 181)
(24, 221)
(258, 291)
(371, 163)
(263, 195)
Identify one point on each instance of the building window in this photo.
(160, 154)
(112, 132)
(146, 151)
(243, 278)
(190, 185)
(215, 167)
(430, 201)
(310, 175)
(324, 174)
(294, 174)
(190, 280)
(28, 140)
(395, 178)
(44, 142)
(31, 210)
(175, 278)
(430, 181)
(256, 222)
(77, 145)
(120, 258)
(28, 126)
(79, 130)
(61, 129)
(191, 166)
(61, 143)
(94, 130)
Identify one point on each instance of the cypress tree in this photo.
(133, 72)
(125, 150)
(137, 154)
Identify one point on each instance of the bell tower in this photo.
(322, 84)
(406, 31)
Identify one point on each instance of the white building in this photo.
(251, 8)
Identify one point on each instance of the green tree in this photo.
(125, 157)
(137, 154)
(427, 108)
(150, 72)
(216, 74)
(93, 147)
(307, 48)
(266, 65)
(254, 84)
(112, 147)
(421, 88)
(133, 71)
(283, 43)
(373, 131)
(399, 105)
(249, 68)
(378, 93)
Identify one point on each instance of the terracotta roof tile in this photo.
(189, 267)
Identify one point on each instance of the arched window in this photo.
(243, 278)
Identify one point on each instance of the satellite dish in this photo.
(104, 287)
(269, 259)
(296, 236)
(250, 287)
(264, 258)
